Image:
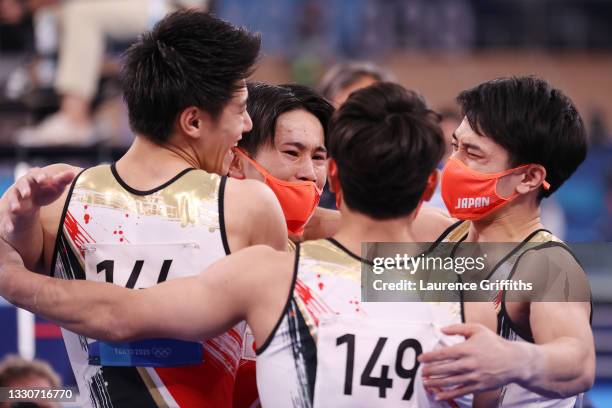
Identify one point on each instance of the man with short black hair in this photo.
(286, 149)
(163, 211)
(520, 140)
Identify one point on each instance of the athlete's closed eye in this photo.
(293, 153)
(472, 154)
(472, 150)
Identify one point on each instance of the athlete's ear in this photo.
(236, 169)
(332, 176)
(334, 181)
(430, 188)
(190, 122)
(534, 176)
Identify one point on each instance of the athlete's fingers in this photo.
(444, 353)
(41, 177)
(444, 369)
(456, 392)
(464, 329)
(463, 380)
(24, 189)
(64, 178)
(13, 200)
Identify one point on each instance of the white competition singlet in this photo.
(331, 350)
(111, 232)
(513, 395)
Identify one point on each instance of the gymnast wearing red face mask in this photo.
(286, 150)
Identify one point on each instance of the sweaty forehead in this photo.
(467, 136)
(301, 127)
(464, 131)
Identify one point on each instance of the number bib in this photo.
(138, 266)
(363, 362)
(248, 345)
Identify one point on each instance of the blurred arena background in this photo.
(437, 47)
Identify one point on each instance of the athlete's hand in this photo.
(483, 362)
(34, 190)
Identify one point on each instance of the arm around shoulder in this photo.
(324, 223)
(241, 286)
(31, 206)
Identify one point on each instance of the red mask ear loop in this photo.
(430, 188)
(258, 166)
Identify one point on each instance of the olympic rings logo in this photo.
(161, 352)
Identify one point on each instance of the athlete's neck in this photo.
(356, 228)
(511, 224)
(147, 165)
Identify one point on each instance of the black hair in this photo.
(267, 102)
(386, 142)
(189, 59)
(532, 121)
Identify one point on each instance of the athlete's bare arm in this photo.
(252, 284)
(561, 361)
(253, 216)
(428, 225)
(30, 212)
(560, 364)
(324, 223)
(563, 358)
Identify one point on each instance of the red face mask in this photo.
(469, 194)
(298, 199)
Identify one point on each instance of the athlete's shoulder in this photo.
(316, 242)
(544, 236)
(253, 192)
(57, 168)
(97, 178)
(323, 244)
(430, 223)
(555, 273)
(550, 252)
(543, 246)
(328, 253)
(254, 202)
(253, 215)
(456, 232)
(100, 169)
(201, 176)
